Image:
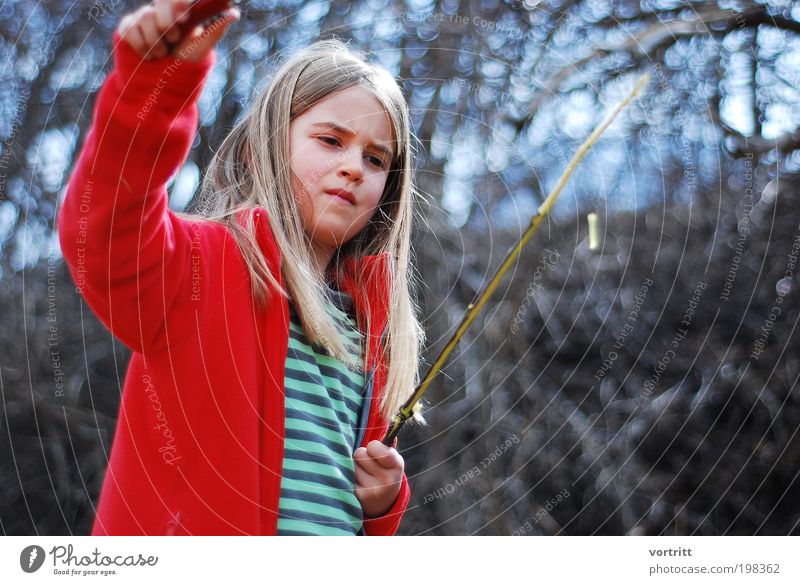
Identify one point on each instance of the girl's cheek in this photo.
(320, 167)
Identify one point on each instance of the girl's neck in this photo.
(321, 259)
(331, 280)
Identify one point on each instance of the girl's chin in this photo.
(330, 241)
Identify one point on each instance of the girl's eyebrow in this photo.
(343, 130)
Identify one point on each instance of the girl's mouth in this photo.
(339, 197)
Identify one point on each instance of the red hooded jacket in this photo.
(199, 442)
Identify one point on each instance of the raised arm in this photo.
(130, 256)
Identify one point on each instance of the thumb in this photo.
(196, 45)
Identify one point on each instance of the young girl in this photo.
(274, 338)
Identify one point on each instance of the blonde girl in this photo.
(274, 335)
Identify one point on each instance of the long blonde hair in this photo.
(251, 169)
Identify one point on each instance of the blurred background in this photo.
(647, 386)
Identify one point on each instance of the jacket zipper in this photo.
(368, 392)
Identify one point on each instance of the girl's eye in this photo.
(333, 141)
(377, 162)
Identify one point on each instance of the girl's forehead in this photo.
(353, 111)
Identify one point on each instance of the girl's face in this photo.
(344, 142)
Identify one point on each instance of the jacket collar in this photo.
(368, 280)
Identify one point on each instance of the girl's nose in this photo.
(351, 164)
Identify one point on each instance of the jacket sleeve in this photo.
(133, 259)
(387, 524)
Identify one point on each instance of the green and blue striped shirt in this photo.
(323, 402)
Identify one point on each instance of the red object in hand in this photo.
(203, 10)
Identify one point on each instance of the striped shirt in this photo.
(323, 402)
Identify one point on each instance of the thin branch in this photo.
(643, 46)
(741, 146)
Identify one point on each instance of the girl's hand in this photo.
(379, 475)
(153, 31)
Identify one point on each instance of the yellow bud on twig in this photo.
(594, 232)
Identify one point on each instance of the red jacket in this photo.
(199, 442)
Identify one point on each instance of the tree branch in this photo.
(643, 46)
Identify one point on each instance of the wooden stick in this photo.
(407, 410)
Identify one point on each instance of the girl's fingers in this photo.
(173, 35)
(197, 45)
(169, 13)
(155, 31)
(387, 457)
(124, 28)
(133, 36)
(125, 25)
(369, 486)
(164, 14)
(366, 463)
(150, 28)
(152, 50)
(363, 478)
(151, 34)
